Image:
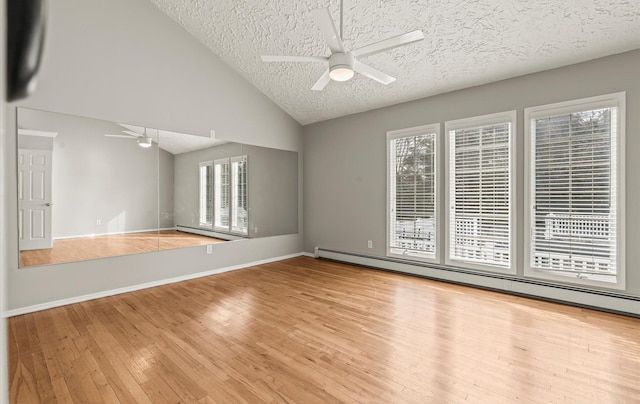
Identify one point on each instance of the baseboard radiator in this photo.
(208, 233)
(596, 299)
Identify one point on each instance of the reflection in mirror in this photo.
(239, 191)
(90, 189)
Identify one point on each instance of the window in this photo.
(239, 222)
(574, 191)
(480, 231)
(221, 194)
(412, 205)
(230, 195)
(206, 194)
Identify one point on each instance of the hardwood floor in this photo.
(84, 248)
(310, 331)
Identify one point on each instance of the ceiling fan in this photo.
(138, 133)
(342, 63)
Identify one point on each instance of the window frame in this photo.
(230, 191)
(233, 193)
(217, 190)
(410, 132)
(614, 100)
(473, 122)
(201, 223)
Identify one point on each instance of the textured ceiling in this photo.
(467, 43)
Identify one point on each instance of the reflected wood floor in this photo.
(313, 331)
(85, 248)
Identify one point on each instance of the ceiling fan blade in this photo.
(328, 29)
(372, 73)
(138, 129)
(314, 59)
(389, 43)
(120, 136)
(131, 133)
(322, 81)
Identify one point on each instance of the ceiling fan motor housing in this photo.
(341, 64)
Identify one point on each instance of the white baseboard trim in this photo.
(133, 288)
(599, 300)
(306, 254)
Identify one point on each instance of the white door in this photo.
(34, 199)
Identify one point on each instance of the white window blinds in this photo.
(221, 194)
(412, 194)
(206, 194)
(480, 194)
(239, 217)
(573, 193)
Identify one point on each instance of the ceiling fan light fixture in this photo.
(144, 142)
(342, 62)
(341, 66)
(341, 73)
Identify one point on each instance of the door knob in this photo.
(48, 204)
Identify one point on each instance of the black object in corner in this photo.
(25, 38)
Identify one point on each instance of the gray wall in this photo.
(273, 191)
(166, 162)
(272, 187)
(345, 158)
(125, 61)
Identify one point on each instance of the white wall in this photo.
(95, 177)
(345, 158)
(125, 61)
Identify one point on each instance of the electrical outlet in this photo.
(210, 249)
(370, 244)
(98, 222)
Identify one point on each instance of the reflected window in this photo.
(206, 194)
(239, 222)
(221, 194)
(230, 195)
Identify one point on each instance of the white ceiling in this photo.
(50, 124)
(173, 142)
(468, 42)
(178, 143)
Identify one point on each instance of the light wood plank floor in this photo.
(84, 248)
(310, 331)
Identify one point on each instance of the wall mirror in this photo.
(91, 189)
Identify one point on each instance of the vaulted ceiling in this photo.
(467, 43)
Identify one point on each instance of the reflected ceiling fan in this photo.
(138, 133)
(342, 63)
